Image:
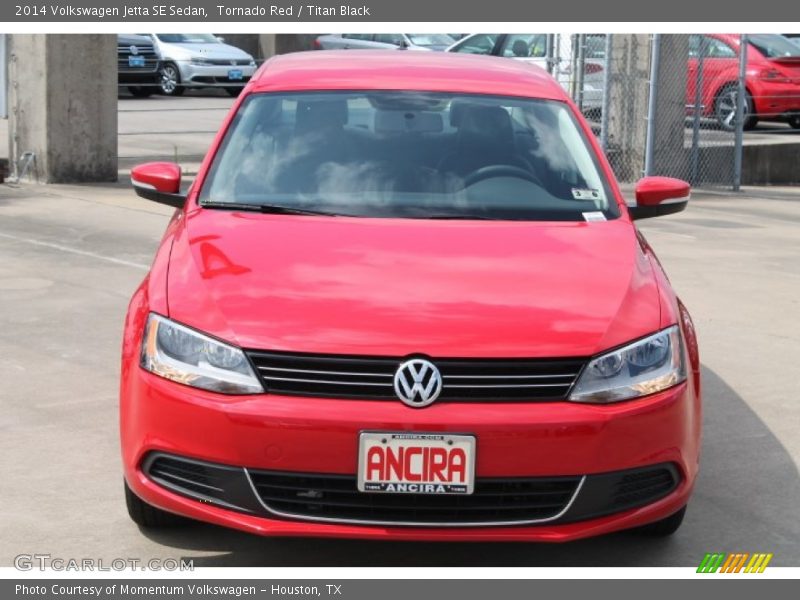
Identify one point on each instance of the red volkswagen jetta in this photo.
(404, 298)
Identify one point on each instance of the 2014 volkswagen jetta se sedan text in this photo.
(404, 298)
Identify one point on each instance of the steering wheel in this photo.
(490, 171)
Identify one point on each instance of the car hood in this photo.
(210, 50)
(403, 286)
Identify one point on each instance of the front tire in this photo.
(725, 108)
(664, 527)
(794, 121)
(171, 80)
(146, 515)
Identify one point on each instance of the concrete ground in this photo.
(71, 256)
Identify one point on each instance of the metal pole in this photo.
(740, 105)
(573, 66)
(698, 110)
(580, 71)
(649, 148)
(605, 102)
(3, 78)
(550, 51)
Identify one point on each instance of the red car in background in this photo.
(404, 298)
(772, 81)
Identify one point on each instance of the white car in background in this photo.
(384, 41)
(201, 60)
(532, 48)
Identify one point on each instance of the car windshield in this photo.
(409, 154)
(187, 38)
(774, 46)
(430, 39)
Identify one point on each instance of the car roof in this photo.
(405, 70)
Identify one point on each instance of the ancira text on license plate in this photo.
(413, 464)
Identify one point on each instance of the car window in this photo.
(187, 38)
(711, 47)
(389, 38)
(482, 43)
(430, 39)
(364, 37)
(525, 45)
(409, 154)
(774, 46)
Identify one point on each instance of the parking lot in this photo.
(72, 255)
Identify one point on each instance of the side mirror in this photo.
(159, 182)
(658, 196)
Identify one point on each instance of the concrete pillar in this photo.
(267, 41)
(272, 44)
(627, 118)
(63, 106)
(669, 156)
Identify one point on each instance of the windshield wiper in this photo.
(270, 209)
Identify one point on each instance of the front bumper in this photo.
(209, 75)
(301, 435)
(142, 76)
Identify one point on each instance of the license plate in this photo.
(136, 61)
(235, 75)
(416, 463)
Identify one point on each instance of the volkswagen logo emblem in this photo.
(134, 50)
(417, 382)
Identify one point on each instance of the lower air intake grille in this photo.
(644, 486)
(336, 498)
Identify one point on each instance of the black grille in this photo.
(336, 497)
(464, 380)
(146, 51)
(193, 477)
(141, 50)
(495, 501)
(634, 489)
(227, 62)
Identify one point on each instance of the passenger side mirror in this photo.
(658, 196)
(159, 182)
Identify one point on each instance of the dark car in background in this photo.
(138, 65)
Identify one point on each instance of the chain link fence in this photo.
(686, 106)
(673, 105)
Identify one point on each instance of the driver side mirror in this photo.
(658, 196)
(159, 182)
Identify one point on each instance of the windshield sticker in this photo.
(594, 216)
(585, 194)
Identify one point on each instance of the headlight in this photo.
(644, 367)
(201, 62)
(252, 62)
(178, 353)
